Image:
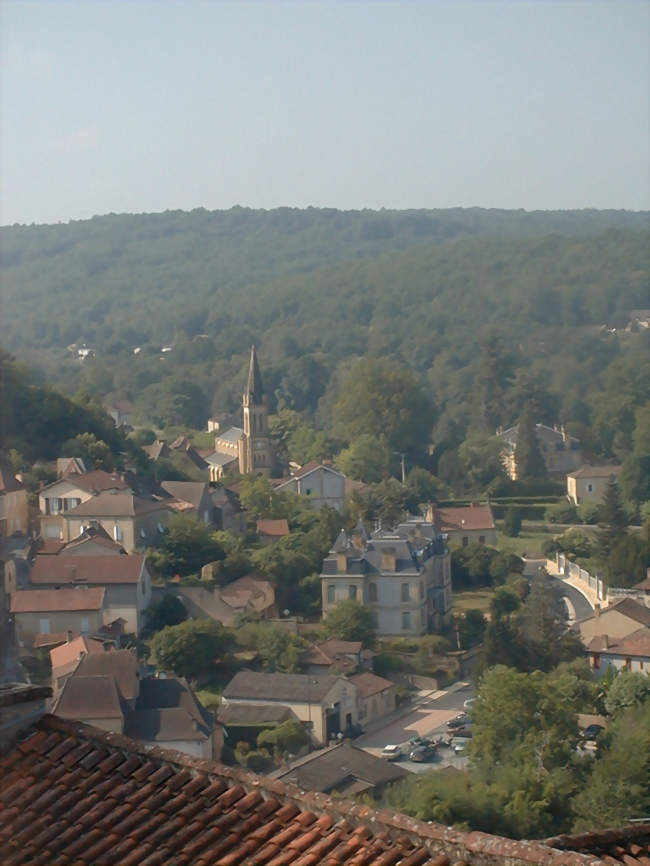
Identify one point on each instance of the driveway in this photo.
(578, 605)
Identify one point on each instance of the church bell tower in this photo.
(255, 451)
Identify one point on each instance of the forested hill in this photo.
(135, 278)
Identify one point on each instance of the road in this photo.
(579, 607)
(428, 717)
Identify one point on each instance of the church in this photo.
(246, 449)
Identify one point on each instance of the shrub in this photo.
(512, 521)
(562, 512)
(589, 513)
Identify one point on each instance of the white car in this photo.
(392, 752)
(468, 703)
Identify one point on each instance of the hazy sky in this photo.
(130, 105)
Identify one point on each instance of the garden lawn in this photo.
(472, 599)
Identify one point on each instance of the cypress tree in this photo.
(528, 455)
(613, 523)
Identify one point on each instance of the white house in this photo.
(321, 484)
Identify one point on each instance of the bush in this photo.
(512, 521)
(259, 762)
(562, 512)
(589, 513)
(550, 547)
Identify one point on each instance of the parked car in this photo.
(459, 721)
(459, 744)
(468, 703)
(392, 752)
(466, 731)
(422, 753)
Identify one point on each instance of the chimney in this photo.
(68, 636)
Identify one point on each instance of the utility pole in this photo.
(402, 455)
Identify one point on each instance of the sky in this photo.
(137, 106)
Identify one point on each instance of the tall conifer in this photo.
(528, 455)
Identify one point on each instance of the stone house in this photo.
(14, 508)
(324, 704)
(193, 497)
(67, 493)
(133, 521)
(270, 530)
(377, 696)
(125, 579)
(616, 621)
(321, 484)
(47, 611)
(562, 453)
(588, 484)
(404, 577)
(630, 653)
(336, 656)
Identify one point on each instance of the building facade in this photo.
(255, 451)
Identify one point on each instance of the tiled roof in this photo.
(157, 449)
(636, 644)
(626, 845)
(89, 569)
(112, 504)
(254, 715)
(92, 482)
(97, 535)
(337, 765)
(249, 685)
(8, 481)
(72, 651)
(594, 472)
(95, 697)
(632, 609)
(44, 600)
(53, 639)
(72, 794)
(121, 665)
(370, 684)
(469, 517)
(187, 491)
(273, 527)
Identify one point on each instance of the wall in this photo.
(14, 512)
(28, 624)
(376, 706)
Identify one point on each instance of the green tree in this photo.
(350, 620)
(368, 458)
(613, 523)
(512, 521)
(170, 610)
(286, 738)
(95, 452)
(192, 648)
(188, 545)
(628, 689)
(280, 650)
(528, 455)
(480, 456)
(617, 789)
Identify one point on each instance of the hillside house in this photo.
(403, 576)
(588, 484)
(67, 493)
(617, 621)
(54, 611)
(473, 524)
(562, 453)
(133, 521)
(630, 653)
(321, 484)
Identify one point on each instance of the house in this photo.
(220, 464)
(133, 521)
(325, 705)
(630, 653)
(121, 411)
(66, 657)
(70, 466)
(228, 513)
(561, 452)
(377, 696)
(14, 508)
(157, 450)
(93, 541)
(616, 621)
(588, 484)
(76, 794)
(272, 530)
(66, 493)
(249, 594)
(473, 524)
(321, 484)
(194, 497)
(403, 576)
(186, 458)
(125, 579)
(336, 656)
(105, 690)
(342, 769)
(47, 611)
(247, 721)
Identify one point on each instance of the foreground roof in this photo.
(72, 794)
(89, 569)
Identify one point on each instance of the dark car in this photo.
(420, 754)
(465, 731)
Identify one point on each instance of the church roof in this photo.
(254, 387)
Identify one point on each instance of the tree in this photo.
(188, 545)
(367, 459)
(480, 456)
(170, 610)
(528, 455)
(512, 521)
(422, 486)
(191, 648)
(94, 452)
(617, 789)
(629, 689)
(279, 650)
(613, 524)
(286, 738)
(350, 620)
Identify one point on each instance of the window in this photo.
(143, 534)
(481, 539)
(372, 592)
(84, 625)
(161, 528)
(331, 593)
(465, 541)
(406, 620)
(596, 660)
(44, 626)
(406, 596)
(117, 533)
(628, 664)
(54, 506)
(590, 488)
(308, 491)
(352, 592)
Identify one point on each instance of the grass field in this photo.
(476, 599)
(527, 542)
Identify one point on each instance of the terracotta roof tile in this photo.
(115, 801)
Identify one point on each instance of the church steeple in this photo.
(255, 450)
(254, 387)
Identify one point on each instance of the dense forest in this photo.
(418, 328)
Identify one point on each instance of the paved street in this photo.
(428, 717)
(579, 606)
